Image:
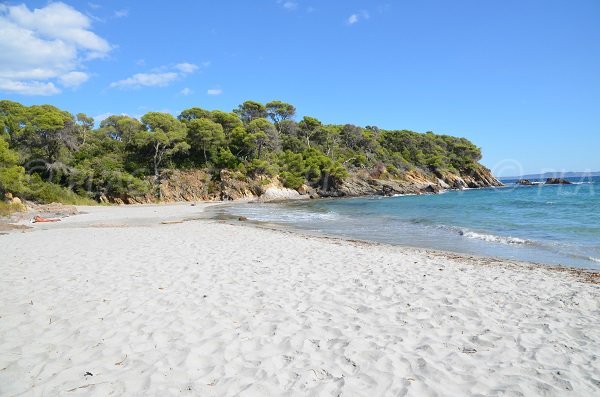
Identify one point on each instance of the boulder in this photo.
(557, 181)
(280, 193)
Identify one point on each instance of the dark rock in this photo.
(242, 218)
(557, 181)
(526, 182)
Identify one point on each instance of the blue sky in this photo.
(519, 78)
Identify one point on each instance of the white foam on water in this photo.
(493, 238)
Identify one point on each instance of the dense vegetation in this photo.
(47, 154)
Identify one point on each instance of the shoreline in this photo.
(589, 274)
(139, 301)
(206, 207)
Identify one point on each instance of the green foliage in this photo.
(192, 114)
(46, 192)
(229, 121)
(121, 128)
(165, 136)
(251, 110)
(206, 136)
(12, 176)
(279, 111)
(293, 169)
(260, 167)
(7, 209)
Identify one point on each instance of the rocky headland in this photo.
(196, 185)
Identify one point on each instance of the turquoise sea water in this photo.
(554, 224)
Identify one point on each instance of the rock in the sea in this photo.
(524, 182)
(557, 181)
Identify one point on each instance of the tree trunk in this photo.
(157, 158)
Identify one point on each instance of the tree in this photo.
(309, 126)
(85, 124)
(121, 128)
(251, 110)
(12, 120)
(265, 135)
(206, 135)
(164, 136)
(229, 121)
(50, 133)
(192, 114)
(279, 111)
(351, 136)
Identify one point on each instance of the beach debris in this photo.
(242, 218)
(122, 361)
(88, 373)
(469, 350)
(171, 222)
(40, 219)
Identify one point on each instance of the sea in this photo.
(548, 224)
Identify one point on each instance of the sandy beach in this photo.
(154, 301)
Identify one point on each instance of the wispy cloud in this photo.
(288, 4)
(160, 77)
(46, 46)
(186, 91)
(357, 17)
(214, 91)
(146, 80)
(121, 13)
(186, 67)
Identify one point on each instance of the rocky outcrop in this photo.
(196, 185)
(362, 183)
(525, 182)
(557, 181)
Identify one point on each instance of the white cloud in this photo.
(186, 91)
(214, 91)
(121, 13)
(159, 77)
(74, 79)
(44, 46)
(146, 80)
(186, 67)
(28, 87)
(354, 18)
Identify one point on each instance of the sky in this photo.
(519, 78)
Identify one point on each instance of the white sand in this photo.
(203, 308)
